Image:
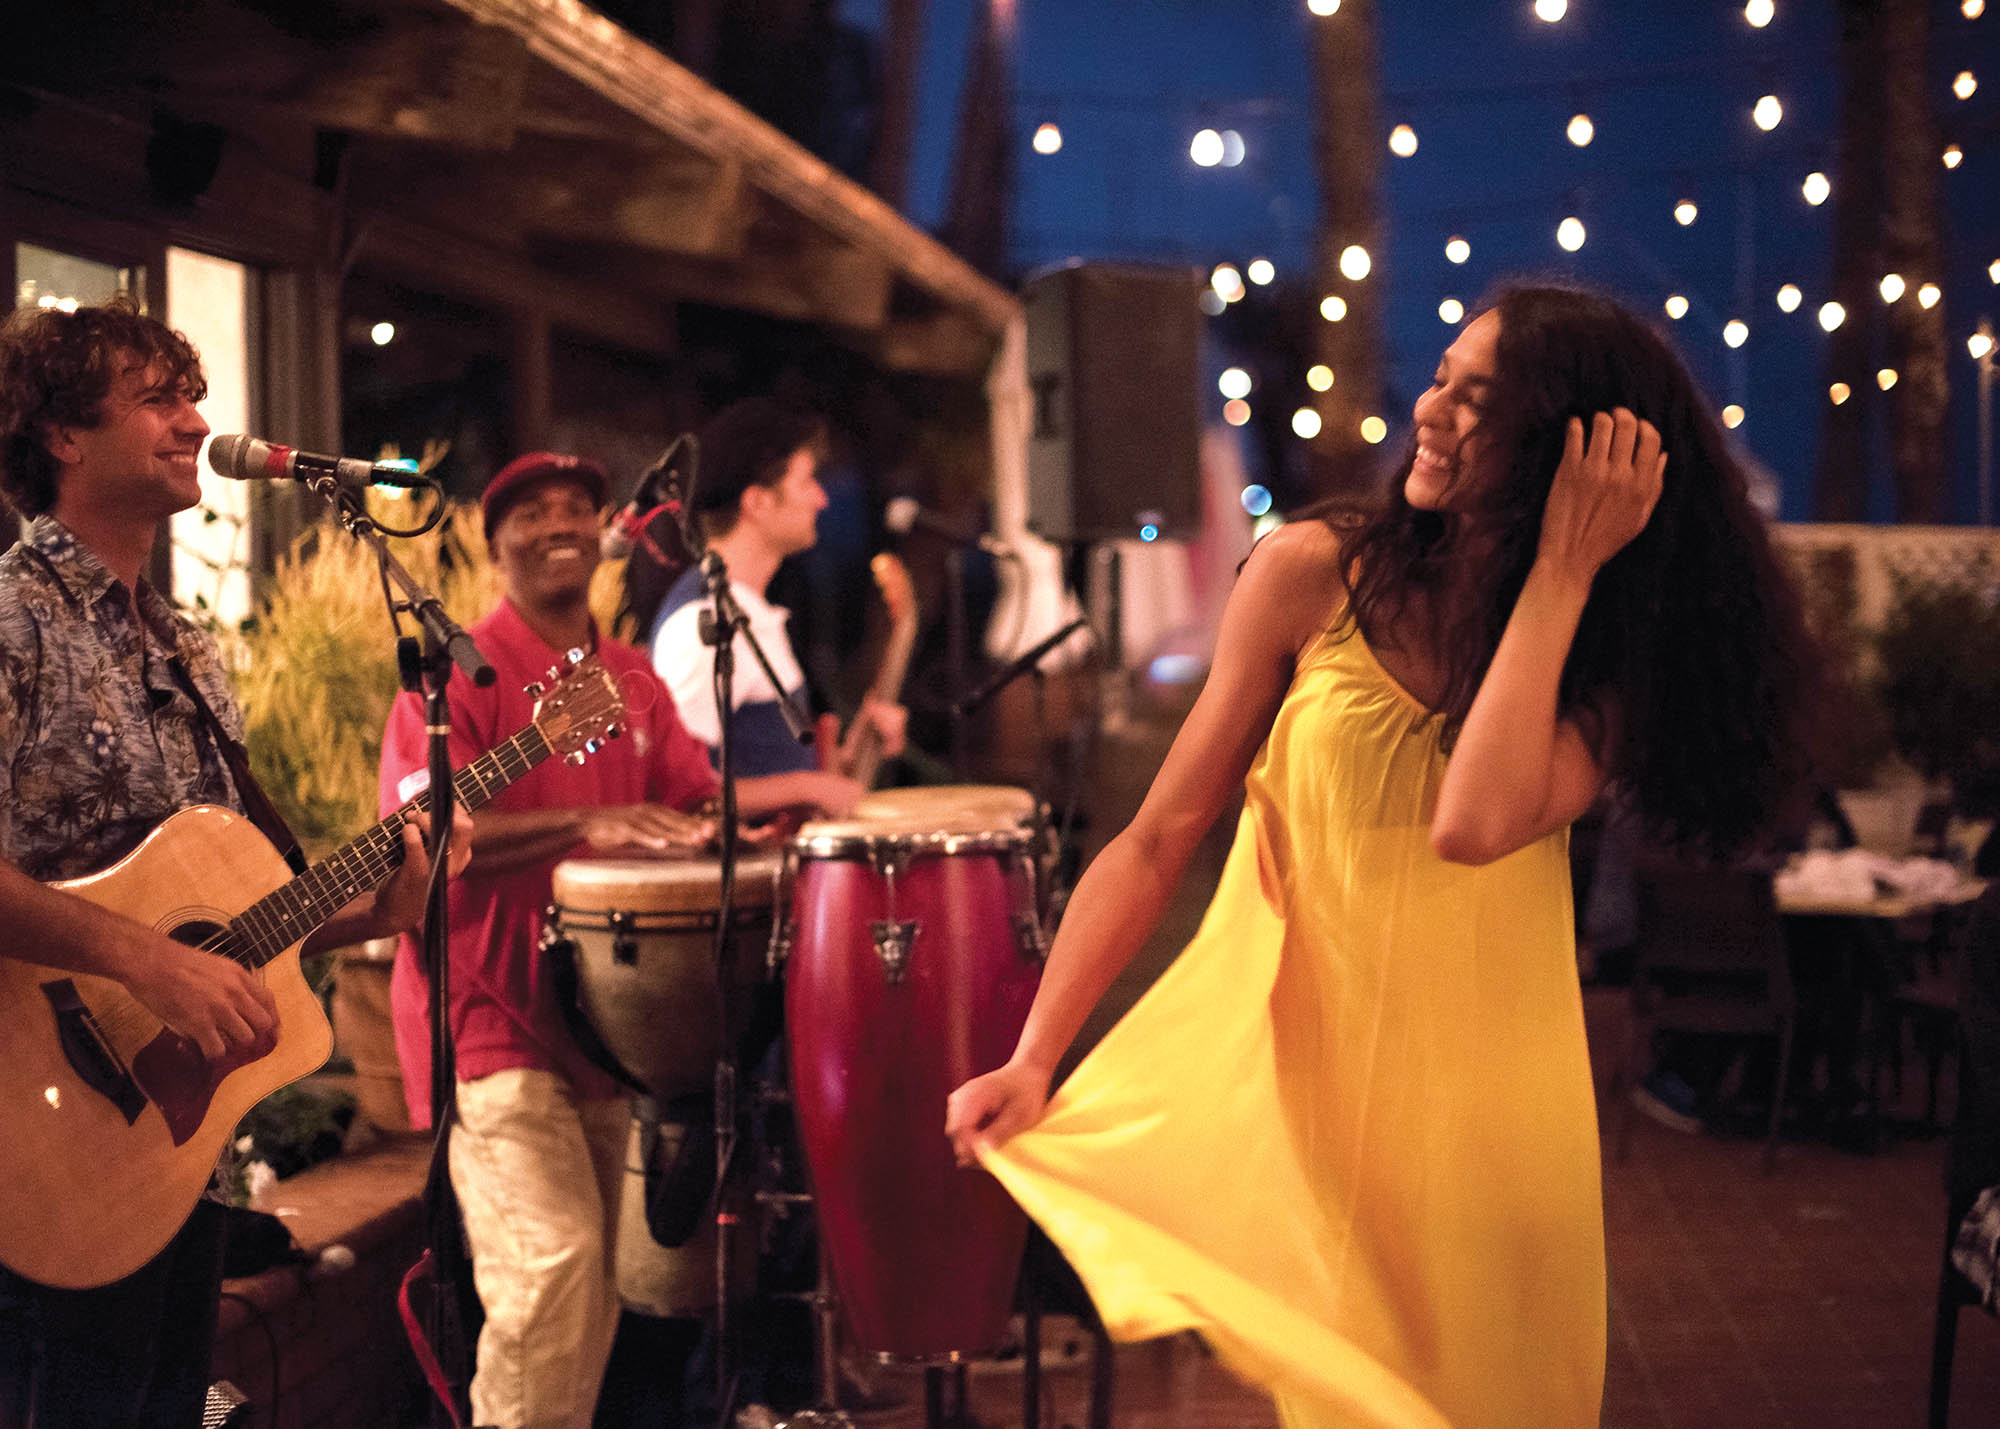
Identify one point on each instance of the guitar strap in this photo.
(256, 803)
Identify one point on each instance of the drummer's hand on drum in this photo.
(990, 1109)
(648, 828)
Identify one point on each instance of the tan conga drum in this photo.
(655, 1279)
(644, 937)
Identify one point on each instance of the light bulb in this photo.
(1892, 287)
(1677, 306)
(1965, 86)
(1048, 139)
(1979, 344)
(1354, 263)
(1759, 13)
(1789, 298)
(1581, 131)
(1206, 148)
(1570, 234)
(1816, 188)
(1458, 250)
(1685, 212)
(1305, 423)
(1373, 429)
(1735, 332)
(1953, 156)
(1839, 392)
(1236, 411)
(1261, 271)
(1768, 112)
(1831, 316)
(1319, 377)
(1402, 141)
(1928, 295)
(1732, 416)
(1234, 382)
(1550, 11)
(1885, 378)
(1333, 307)
(1451, 310)
(1323, 8)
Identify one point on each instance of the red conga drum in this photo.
(915, 950)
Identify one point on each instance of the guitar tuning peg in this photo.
(533, 689)
(590, 746)
(612, 731)
(573, 657)
(555, 673)
(575, 756)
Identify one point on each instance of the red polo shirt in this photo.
(503, 1006)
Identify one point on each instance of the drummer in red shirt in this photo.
(537, 1154)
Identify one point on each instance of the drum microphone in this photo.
(905, 514)
(244, 458)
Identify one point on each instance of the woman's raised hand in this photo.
(987, 1110)
(1603, 493)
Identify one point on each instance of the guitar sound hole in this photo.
(203, 933)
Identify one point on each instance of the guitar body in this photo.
(110, 1125)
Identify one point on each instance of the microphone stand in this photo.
(445, 643)
(721, 621)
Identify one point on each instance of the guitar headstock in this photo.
(580, 708)
(892, 578)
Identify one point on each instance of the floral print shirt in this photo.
(98, 741)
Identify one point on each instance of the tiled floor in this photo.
(1803, 1298)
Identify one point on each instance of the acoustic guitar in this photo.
(110, 1123)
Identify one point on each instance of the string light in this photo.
(1892, 287)
(1685, 212)
(1323, 8)
(1581, 131)
(1965, 86)
(1570, 235)
(1732, 416)
(1816, 188)
(1402, 141)
(1973, 9)
(1550, 11)
(1885, 378)
(1759, 13)
(382, 334)
(1789, 298)
(1354, 263)
(1831, 316)
(1953, 156)
(1305, 423)
(1333, 307)
(1319, 377)
(1210, 302)
(1232, 149)
(1839, 392)
(1261, 271)
(1993, 270)
(1234, 382)
(1677, 306)
(1735, 332)
(1226, 281)
(1458, 250)
(1236, 411)
(1451, 310)
(1768, 112)
(1928, 295)
(1048, 139)
(1206, 148)
(1373, 429)
(1979, 344)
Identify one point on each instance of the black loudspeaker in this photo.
(1114, 444)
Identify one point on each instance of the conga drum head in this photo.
(950, 808)
(661, 885)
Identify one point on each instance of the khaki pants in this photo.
(537, 1174)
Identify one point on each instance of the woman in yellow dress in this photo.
(1349, 1136)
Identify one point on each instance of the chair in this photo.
(1975, 1138)
(1710, 961)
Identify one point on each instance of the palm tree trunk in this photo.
(1842, 490)
(1913, 245)
(902, 47)
(1347, 156)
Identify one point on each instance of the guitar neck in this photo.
(289, 914)
(887, 688)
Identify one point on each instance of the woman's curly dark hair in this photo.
(56, 369)
(1693, 632)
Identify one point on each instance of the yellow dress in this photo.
(1349, 1136)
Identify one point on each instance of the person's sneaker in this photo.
(1668, 1100)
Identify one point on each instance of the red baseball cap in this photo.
(512, 481)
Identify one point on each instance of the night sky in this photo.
(1489, 90)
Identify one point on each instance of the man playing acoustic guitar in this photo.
(111, 705)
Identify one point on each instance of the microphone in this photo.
(243, 458)
(905, 514)
(627, 528)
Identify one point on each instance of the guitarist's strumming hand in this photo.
(887, 723)
(216, 1003)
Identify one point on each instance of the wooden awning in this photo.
(539, 139)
